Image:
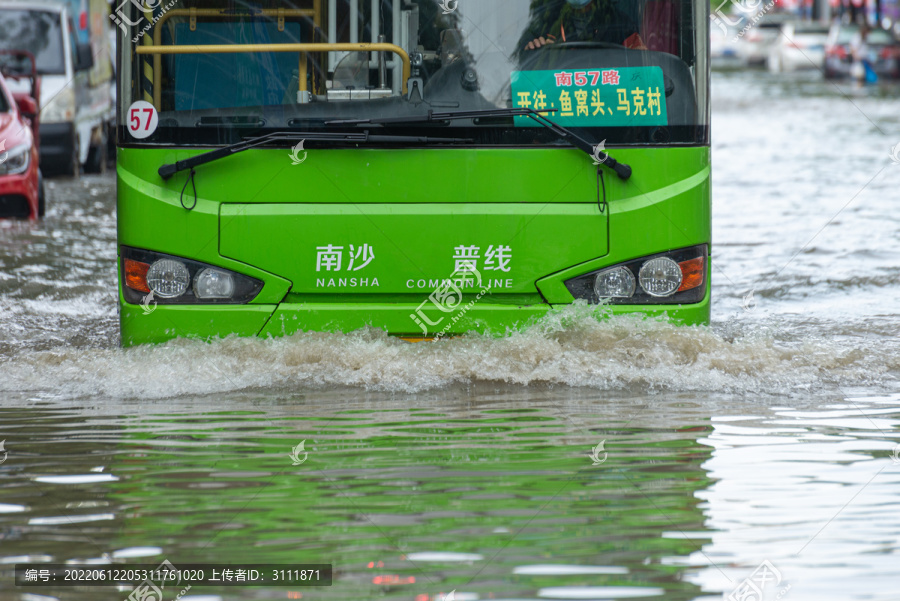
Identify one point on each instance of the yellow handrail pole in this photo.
(237, 48)
(317, 24)
(206, 12)
(145, 66)
(302, 72)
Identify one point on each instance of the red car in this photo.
(21, 184)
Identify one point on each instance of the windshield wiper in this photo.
(168, 170)
(621, 169)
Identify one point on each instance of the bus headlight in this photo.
(17, 160)
(660, 276)
(168, 278)
(213, 283)
(672, 278)
(615, 282)
(179, 281)
(60, 108)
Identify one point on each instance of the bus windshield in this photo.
(627, 72)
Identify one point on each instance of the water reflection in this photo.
(415, 497)
(814, 491)
(488, 493)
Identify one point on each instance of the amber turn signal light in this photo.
(136, 275)
(691, 274)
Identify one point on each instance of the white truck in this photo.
(71, 47)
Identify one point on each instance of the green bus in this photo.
(427, 168)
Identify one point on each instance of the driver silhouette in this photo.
(589, 21)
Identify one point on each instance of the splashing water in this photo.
(569, 347)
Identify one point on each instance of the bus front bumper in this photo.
(155, 324)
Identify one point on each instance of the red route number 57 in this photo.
(142, 119)
(136, 119)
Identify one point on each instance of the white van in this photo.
(75, 80)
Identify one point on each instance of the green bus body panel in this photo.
(413, 207)
(481, 317)
(651, 221)
(413, 244)
(394, 318)
(150, 216)
(382, 176)
(166, 322)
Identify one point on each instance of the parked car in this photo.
(21, 183)
(800, 45)
(884, 52)
(75, 89)
(723, 48)
(755, 42)
(111, 124)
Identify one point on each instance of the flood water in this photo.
(465, 465)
